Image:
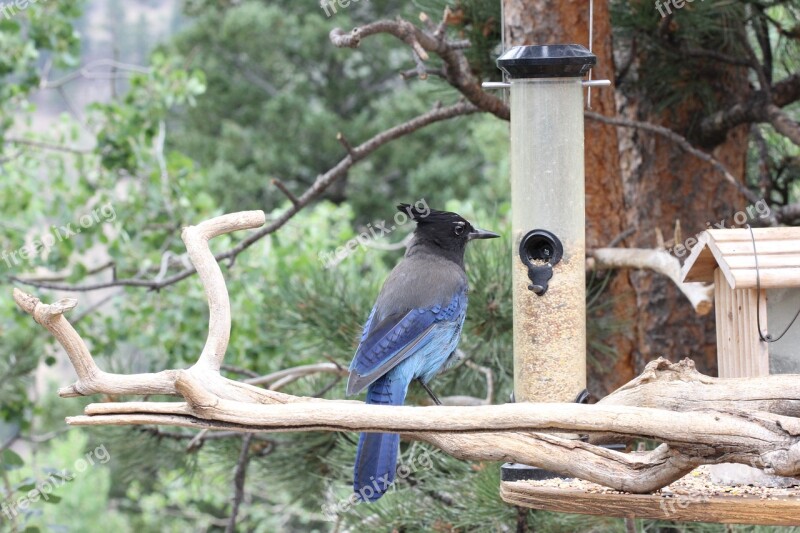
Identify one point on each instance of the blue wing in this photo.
(387, 343)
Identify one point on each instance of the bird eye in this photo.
(459, 229)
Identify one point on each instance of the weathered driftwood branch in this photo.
(634, 472)
(747, 421)
(678, 386)
(699, 294)
(219, 320)
(281, 378)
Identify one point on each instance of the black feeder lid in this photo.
(547, 61)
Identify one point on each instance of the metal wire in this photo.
(591, 33)
(765, 337)
(503, 44)
(503, 30)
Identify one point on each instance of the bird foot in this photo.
(430, 392)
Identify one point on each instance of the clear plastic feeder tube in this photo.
(548, 193)
(548, 220)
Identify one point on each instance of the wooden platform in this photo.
(725, 505)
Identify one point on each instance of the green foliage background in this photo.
(241, 93)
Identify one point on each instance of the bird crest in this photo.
(428, 215)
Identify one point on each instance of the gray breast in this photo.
(422, 280)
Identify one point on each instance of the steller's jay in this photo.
(411, 333)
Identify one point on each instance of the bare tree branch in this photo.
(456, 69)
(471, 400)
(293, 374)
(714, 128)
(43, 145)
(700, 295)
(683, 143)
(344, 142)
(439, 73)
(241, 371)
(89, 71)
(64, 274)
(783, 124)
(320, 185)
(238, 481)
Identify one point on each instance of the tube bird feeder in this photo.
(548, 220)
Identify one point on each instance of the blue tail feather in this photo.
(376, 457)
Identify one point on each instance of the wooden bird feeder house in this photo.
(756, 280)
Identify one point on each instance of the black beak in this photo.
(482, 234)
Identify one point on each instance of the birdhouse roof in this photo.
(731, 250)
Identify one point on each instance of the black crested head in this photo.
(447, 231)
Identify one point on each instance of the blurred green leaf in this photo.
(11, 461)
